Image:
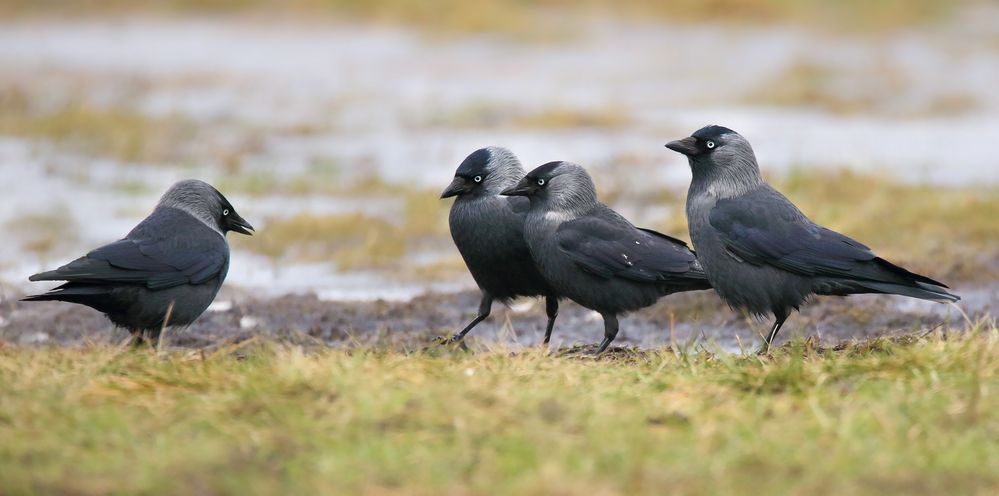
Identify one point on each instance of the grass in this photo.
(917, 416)
(496, 115)
(520, 18)
(43, 233)
(111, 131)
(351, 240)
(884, 89)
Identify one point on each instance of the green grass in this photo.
(919, 416)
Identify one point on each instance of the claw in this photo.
(453, 340)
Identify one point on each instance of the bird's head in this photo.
(719, 157)
(204, 202)
(485, 172)
(561, 186)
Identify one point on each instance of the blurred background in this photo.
(333, 125)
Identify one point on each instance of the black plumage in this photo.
(760, 252)
(165, 272)
(594, 256)
(488, 231)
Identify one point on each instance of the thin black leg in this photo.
(485, 306)
(610, 332)
(778, 322)
(551, 307)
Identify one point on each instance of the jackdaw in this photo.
(488, 230)
(165, 272)
(594, 256)
(760, 252)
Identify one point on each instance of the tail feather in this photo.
(70, 293)
(882, 276)
(907, 275)
(52, 275)
(920, 290)
(909, 283)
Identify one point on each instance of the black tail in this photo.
(90, 295)
(902, 282)
(52, 275)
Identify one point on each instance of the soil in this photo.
(688, 320)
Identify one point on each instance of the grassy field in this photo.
(525, 18)
(919, 416)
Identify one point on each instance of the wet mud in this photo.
(689, 321)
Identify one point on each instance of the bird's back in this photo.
(603, 262)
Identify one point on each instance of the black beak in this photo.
(236, 223)
(686, 146)
(525, 187)
(457, 187)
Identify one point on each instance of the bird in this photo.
(760, 252)
(592, 255)
(488, 230)
(164, 272)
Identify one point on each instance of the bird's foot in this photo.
(602, 348)
(141, 340)
(457, 340)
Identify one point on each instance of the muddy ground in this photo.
(691, 319)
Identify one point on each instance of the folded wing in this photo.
(609, 249)
(168, 249)
(764, 228)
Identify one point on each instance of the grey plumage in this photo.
(174, 261)
(488, 231)
(760, 252)
(592, 255)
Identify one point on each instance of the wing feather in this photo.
(613, 249)
(167, 249)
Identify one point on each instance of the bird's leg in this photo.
(780, 318)
(551, 307)
(138, 339)
(610, 332)
(485, 306)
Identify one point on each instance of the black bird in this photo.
(488, 230)
(760, 252)
(594, 256)
(165, 272)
